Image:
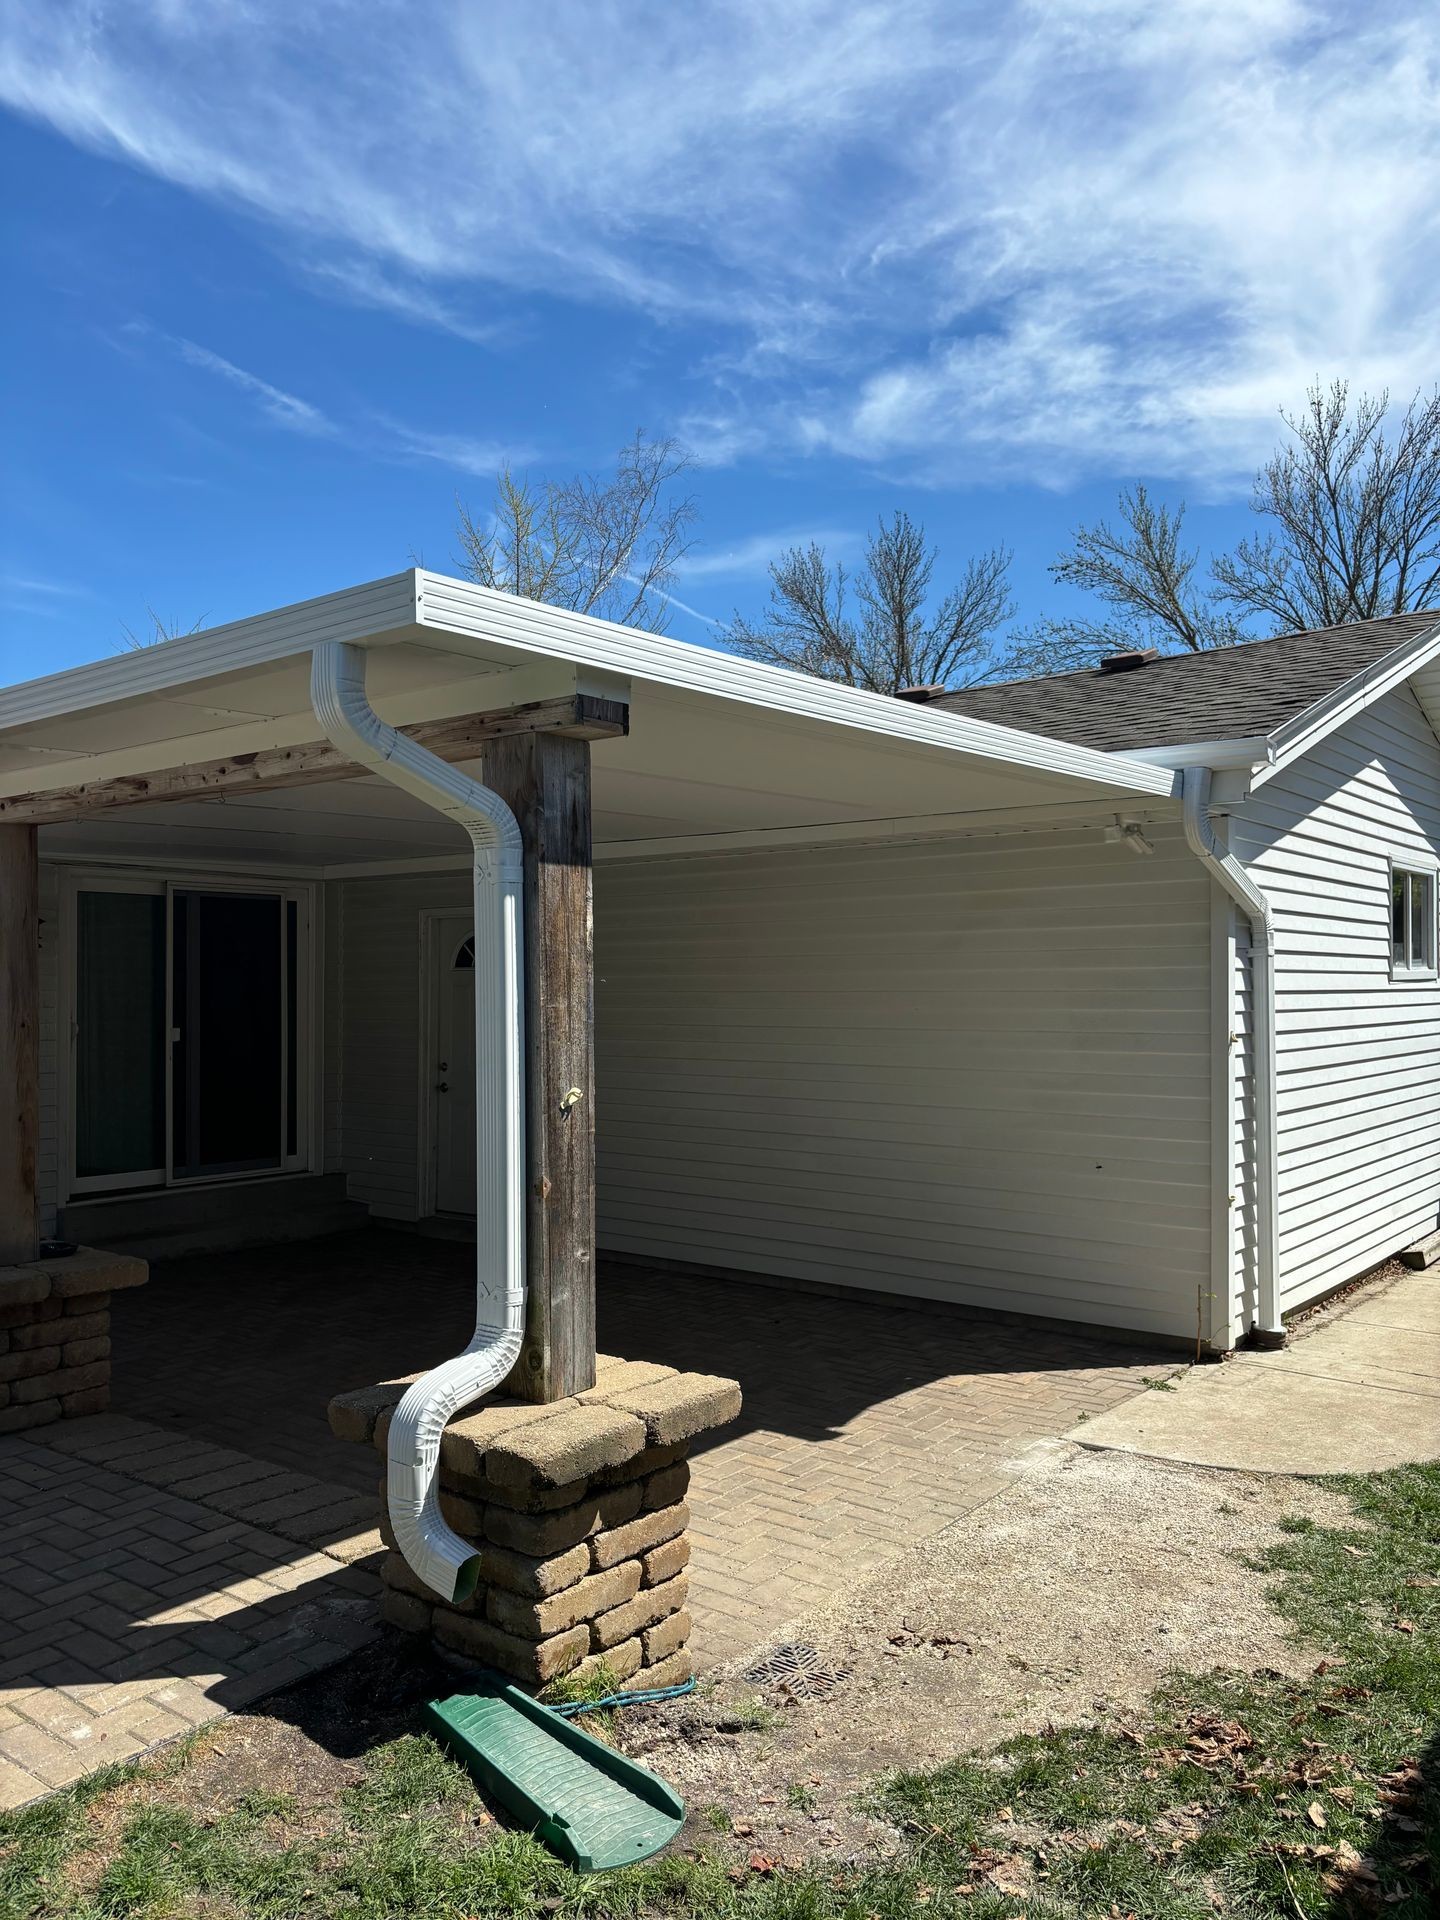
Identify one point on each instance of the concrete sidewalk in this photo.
(1358, 1391)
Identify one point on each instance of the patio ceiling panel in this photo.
(716, 745)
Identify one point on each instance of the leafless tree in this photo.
(889, 640)
(1354, 533)
(1357, 511)
(159, 631)
(601, 545)
(1145, 576)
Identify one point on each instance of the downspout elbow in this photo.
(1269, 1328)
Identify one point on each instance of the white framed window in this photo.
(191, 1028)
(1412, 920)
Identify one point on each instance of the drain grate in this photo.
(797, 1669)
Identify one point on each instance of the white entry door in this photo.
(454, 1064)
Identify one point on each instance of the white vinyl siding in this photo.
(1358, 1051)
(977, 1070)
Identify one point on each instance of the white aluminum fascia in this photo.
(461, 608)
(356, 613)
(1351, 697)
(386, 608)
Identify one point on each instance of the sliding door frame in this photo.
(309, 1025)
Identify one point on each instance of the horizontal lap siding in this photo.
(378, 1062)
(1357, 1053)
(977, 1070)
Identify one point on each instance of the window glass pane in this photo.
(1419, 918)
(228, 1057)
(120, 1033)
(1397, 919)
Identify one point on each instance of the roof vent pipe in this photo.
(1269, 1328)
(1127, 662)
(436, 1553)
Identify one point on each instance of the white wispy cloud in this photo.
(32, 585)
(483, 458)
(1036, 238)
(749, 558)
(287, 410)
(374, 434)
(363, 284)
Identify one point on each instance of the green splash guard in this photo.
(591, 1806)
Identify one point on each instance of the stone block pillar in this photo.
(55, 1335)
(578, 1512)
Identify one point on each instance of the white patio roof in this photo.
(719, 750)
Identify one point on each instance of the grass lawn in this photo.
(1239, 1794)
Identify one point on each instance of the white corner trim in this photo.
(1351, 697)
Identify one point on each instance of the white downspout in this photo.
(437, 1554)
(1269, 1324)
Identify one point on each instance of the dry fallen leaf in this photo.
(1315, 1814)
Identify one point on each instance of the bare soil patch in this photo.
(1066, 1599)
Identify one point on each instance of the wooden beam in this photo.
(573, 716)
(546, 780)
(19, 1044)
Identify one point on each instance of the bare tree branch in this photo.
(1357, 511)
(606, 546)
(160, 631)
(890, 642)
(1353, 534)
(1142, 572)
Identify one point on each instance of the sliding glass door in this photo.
(119, 1028)
(190, 1032)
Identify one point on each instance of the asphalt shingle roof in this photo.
(1229, 694)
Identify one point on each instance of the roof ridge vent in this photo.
(921, 694)
(1127, 662)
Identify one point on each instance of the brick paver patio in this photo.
(147, 1584)
(206, 1542)
(865, 1428)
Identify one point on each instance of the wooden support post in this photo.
(546, 780)
(19, 1045)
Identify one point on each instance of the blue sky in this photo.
(283, 280)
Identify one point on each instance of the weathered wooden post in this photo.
(545, 778)
(19, 1044)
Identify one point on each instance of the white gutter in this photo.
(1252, 751)
(437, 1554)
(1269, 1327)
